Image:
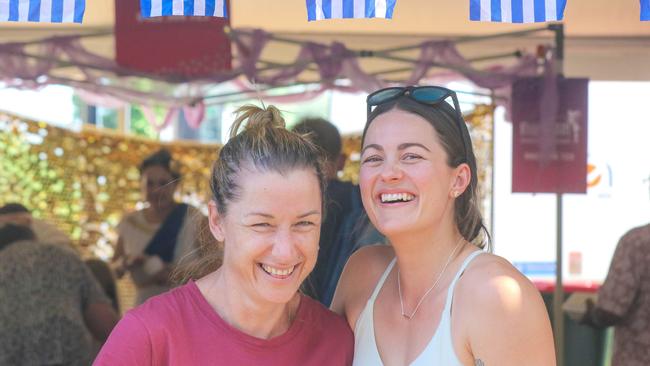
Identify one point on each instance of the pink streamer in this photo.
(150, 115)
(194, 114)
(106, 83)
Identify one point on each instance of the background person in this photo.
(266, 209)
(51, 307)
(624, 299)
(346, 226)
(44, 231)
(152, 240)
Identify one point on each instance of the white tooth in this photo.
(276, 271)
(393, 197)
(402, 196)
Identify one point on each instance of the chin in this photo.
(278, 296)
(279, 291)
(395, 227)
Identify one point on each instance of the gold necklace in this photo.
(399, 287)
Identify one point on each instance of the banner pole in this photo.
(558, 295)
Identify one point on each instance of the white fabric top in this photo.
(136, 232)
(439, 351)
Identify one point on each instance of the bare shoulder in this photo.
(502, 315)
(358, 280)
(494, 277)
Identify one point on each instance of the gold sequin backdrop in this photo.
(85, 181)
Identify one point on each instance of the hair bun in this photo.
(256, 117)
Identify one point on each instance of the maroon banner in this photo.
(177, 46)
(551, 157)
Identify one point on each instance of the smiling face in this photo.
(270, 232)
(406, 183)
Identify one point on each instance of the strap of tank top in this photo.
(466, 262)
(382, 279)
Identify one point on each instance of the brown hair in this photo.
(265, 144)
(442, 117)
(162, 158)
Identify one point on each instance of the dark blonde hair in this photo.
(258, 139)
(265, 144)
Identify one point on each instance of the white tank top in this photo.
(439, 351)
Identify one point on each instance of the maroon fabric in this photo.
(181, 328)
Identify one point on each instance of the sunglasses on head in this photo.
(428, 95)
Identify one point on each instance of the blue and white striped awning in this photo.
(344, 9)
(158, 8)
(46, 11)
(516, 11)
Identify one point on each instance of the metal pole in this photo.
(558, 295)
(493, 163)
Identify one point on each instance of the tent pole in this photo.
(270, 65)
(385, 52)
(464, 39)
(558, 295)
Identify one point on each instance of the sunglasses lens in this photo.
(429, 95)
(383, 95)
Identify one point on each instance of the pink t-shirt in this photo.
(181, 328)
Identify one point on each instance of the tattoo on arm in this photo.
(478, 362)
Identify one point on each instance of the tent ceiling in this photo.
(584, 18)
(602, 35)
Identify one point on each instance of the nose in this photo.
(284, 246)
(391, 171)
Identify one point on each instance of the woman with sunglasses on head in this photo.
(433, 297)
(266, 209)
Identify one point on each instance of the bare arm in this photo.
(100, 319)
(506, 322)
(358, 279)
(119, 249)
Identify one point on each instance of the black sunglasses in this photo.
(428, 95)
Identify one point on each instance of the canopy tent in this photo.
(605, 39)
(618, 51)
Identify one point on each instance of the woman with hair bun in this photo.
(152, 240)
(266, 209)
(432, 297)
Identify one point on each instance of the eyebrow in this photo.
(406, 145)
(372, 146)
(403, 146)
(269, 216)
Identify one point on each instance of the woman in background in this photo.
(152, 240)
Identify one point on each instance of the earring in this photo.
(456, 194)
